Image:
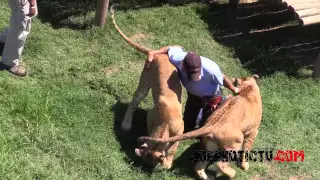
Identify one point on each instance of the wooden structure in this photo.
(101, 12)
(306, 11)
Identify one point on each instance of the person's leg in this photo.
(192, 108)
(3, 37)
(206, 113)
(20, 25)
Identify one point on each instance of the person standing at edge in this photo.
(202, 79)
(13, 38)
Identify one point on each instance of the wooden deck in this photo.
(307, 11)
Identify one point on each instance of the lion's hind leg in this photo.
(247, 146)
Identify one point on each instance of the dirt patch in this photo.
(141, 36)
(138, 36)
(300, 177)
(274, 174)
(107, 71)
(257, 177)
(296, 178)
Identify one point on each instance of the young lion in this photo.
(165, 119)
(234, 126)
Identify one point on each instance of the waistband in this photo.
(217, 95)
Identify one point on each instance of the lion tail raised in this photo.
(130, 41)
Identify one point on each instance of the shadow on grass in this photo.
(128, 140)
(185, 166)
(59, 12)
(266, 39)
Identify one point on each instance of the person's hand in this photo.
(236, 90)
(149, 60)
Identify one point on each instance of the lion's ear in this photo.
(255, 76)
(162, 158)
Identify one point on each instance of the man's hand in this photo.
(228, 84)
(236, 90)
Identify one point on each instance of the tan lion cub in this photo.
(165, 118)
(234, 126)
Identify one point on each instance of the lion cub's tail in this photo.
(192, 134)
(132, 43)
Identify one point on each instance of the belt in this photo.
(211, 101)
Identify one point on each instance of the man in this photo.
(202, 79)
(12, 39)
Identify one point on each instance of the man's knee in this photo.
(190, 118)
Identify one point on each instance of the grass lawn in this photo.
(62, 120)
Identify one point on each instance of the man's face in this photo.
(189, 74)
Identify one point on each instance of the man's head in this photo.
(192, 65)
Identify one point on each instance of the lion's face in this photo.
(238, 82)
(151, 157)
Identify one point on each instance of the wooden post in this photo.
(101, 12)
(316, 70)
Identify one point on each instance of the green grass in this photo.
(60, 121)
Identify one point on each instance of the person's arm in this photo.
(228, 84)
(217, 76)
(32, 3)
(162, 50)
(33, 8)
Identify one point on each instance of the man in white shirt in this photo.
(202, 79)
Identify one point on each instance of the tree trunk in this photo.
(101, 12)
(316, 70)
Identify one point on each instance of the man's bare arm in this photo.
(32, 2)
(229, 84)
(33, 8)
(162, 50)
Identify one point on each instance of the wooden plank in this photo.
(287, 3)
(297, 7)
(305, 21)
(307, 12)
(292, 2)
